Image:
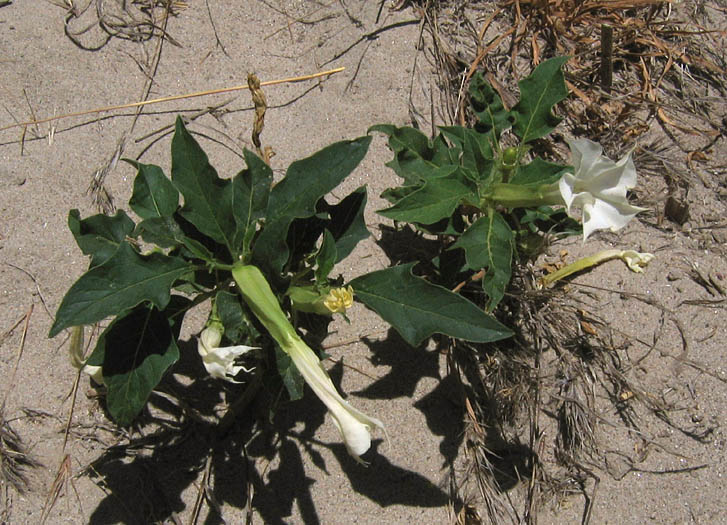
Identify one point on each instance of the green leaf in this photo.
(539, 92)
(122, 282)
(100, 235)
(488, 106)
(207, 198)
(325, 258)
(347, 222)
(238, 328)
(538, 172)
(250, 192)
(472, 241)
(550, 220)
(344, 220)
(165, 232)
(154, 194)
(434, 201)
(162, 231)
(396, 194)
(292, 379)
(135, 351)
(417, 308)
(305, 183)
(416, 157)
(476, 150)
(488, 243)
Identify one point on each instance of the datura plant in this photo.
(495, 201)
(263, 255)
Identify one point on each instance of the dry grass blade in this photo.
(14, 459)
(21, 347)
(174, 97)
(61, 481)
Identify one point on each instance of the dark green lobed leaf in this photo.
(154, 194)
(296, 196)
(417, 308)
(539, 92)
(207, 198)
(250, 193)
(488, 243)
(135, 351)
(122, 282)
(100, 235)
(488, 106)
(476, 152)
(238, 327)
(292, 379)
(538, 172)
(325, 258)
(416, 157)
(436, 200)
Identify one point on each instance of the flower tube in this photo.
(353, 424)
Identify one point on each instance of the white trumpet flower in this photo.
(598, 187)
(354, 425)
(220, 360)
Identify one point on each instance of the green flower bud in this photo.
(509, 156)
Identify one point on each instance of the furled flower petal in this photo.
(220, 360)
(353, 424)
(598, 187)
(339, 299)
(78, 361)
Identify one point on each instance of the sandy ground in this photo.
(310, 479)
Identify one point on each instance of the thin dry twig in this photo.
(21, 347)
(175, 97)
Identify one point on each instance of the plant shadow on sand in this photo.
(564, 367)
(256, 464)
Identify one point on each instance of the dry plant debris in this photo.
(640, 69)
(14, 458)
(666, 65)
(91, 25)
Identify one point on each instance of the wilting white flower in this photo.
(636, 260)
(633, 259)
(220, 360)
(598, 187)
(353, 424)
